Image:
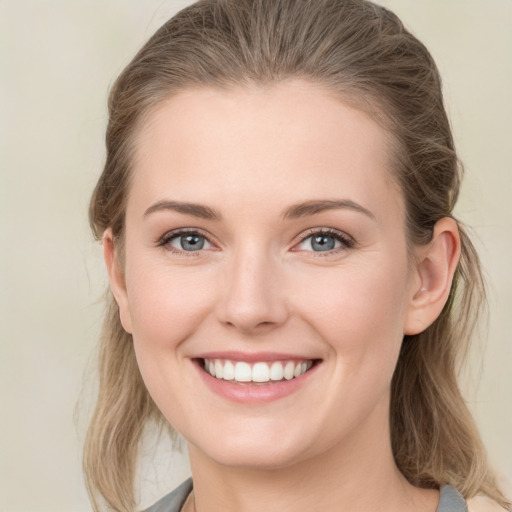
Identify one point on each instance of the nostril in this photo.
(249, 326)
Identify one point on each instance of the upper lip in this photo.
(253, 357)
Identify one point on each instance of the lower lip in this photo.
(254, 393)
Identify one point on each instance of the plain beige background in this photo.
(57, 60)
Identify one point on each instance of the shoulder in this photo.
(173, 501)
(483, 504)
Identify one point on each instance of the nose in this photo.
(253, 300)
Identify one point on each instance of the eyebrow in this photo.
(197, 210)
(295, 211)
(313, 207)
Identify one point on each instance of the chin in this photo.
(253, 448)
(252, 457)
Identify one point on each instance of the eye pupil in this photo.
(322, 243)
(191, 242)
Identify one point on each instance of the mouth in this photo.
(257, 378)
(257, 372)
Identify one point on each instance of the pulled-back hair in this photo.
(361, 52)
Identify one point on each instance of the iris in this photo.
(322, 243)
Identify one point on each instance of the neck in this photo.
(357, 474)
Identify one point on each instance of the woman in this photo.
(290, 289)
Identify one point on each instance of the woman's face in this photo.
(265, 240)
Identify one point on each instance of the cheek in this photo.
(166, 304)
(359, 311)
(358, 314)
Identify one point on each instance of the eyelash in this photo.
(346, 241)
(166, 240)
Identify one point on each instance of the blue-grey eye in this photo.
(189, 242)
(320, 242)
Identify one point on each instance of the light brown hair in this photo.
(363, 53)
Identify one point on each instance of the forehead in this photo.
(262, 143)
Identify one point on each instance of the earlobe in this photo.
(116, 279)
(435, 268)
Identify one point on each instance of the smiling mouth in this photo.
(257, 372)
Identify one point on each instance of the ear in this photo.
(117, 279)
(435, 266)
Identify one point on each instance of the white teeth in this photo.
(289, 370)
(241, 371)
(229, 371)
(276, 371)
(260, 372)
(218, 369)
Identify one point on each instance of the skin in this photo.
(251, 154)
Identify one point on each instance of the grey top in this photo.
(449, 501)
(173, 501)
